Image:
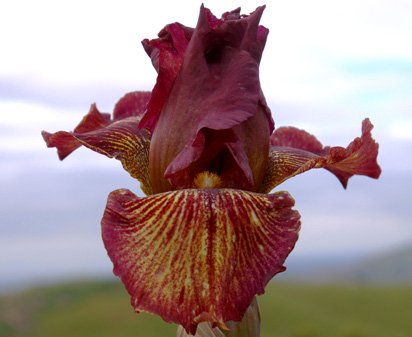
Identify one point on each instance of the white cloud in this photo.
(310, 41)
(100, 41)
(401, 129)
(351, 233)
(21, 124)
(28, 116)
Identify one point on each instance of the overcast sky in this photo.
(327, 65)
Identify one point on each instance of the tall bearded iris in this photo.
(208, 237)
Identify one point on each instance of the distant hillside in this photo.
(394, 267)
(102, 309)
(391, 267)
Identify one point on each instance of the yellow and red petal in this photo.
(122, 140)
(131, 104)
(295, 151)
(65, 143)
(119, 138)
(198, 255)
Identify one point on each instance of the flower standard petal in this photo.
(198, 255)
(295, 151)
(214, 97)
(167, 54)
(132, 104)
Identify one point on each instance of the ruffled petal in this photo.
(295, 151)
(131, 104)
(119, 138)
(167, 54)
(214, 97)
(65, 143)
(122, 140)
(198, 255)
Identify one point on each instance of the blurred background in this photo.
(327, 65)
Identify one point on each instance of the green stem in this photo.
(248, 327)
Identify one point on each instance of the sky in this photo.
(327, 65)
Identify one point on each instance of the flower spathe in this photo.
(208, 236)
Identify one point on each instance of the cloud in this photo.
(18, 89)
(401, 130)
(371, 66)
(345, 60)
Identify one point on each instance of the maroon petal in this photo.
(167, 54)
(121, 139)
(198, 254)
(131, 104)
(215, 94)
(65, 143)
(295, 151)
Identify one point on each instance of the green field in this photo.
(101, 309)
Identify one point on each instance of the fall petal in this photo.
(131, 104)
(120, 139)
(198, 255)
(295, 151)
(65, 143)
(124, 141)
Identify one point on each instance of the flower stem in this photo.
(248, 327)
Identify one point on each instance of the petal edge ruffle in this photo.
(65, 143)
(131, 104)
(120, 138)
(295, 151)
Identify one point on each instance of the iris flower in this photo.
(209, 235)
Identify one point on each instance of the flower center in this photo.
(207, 179)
